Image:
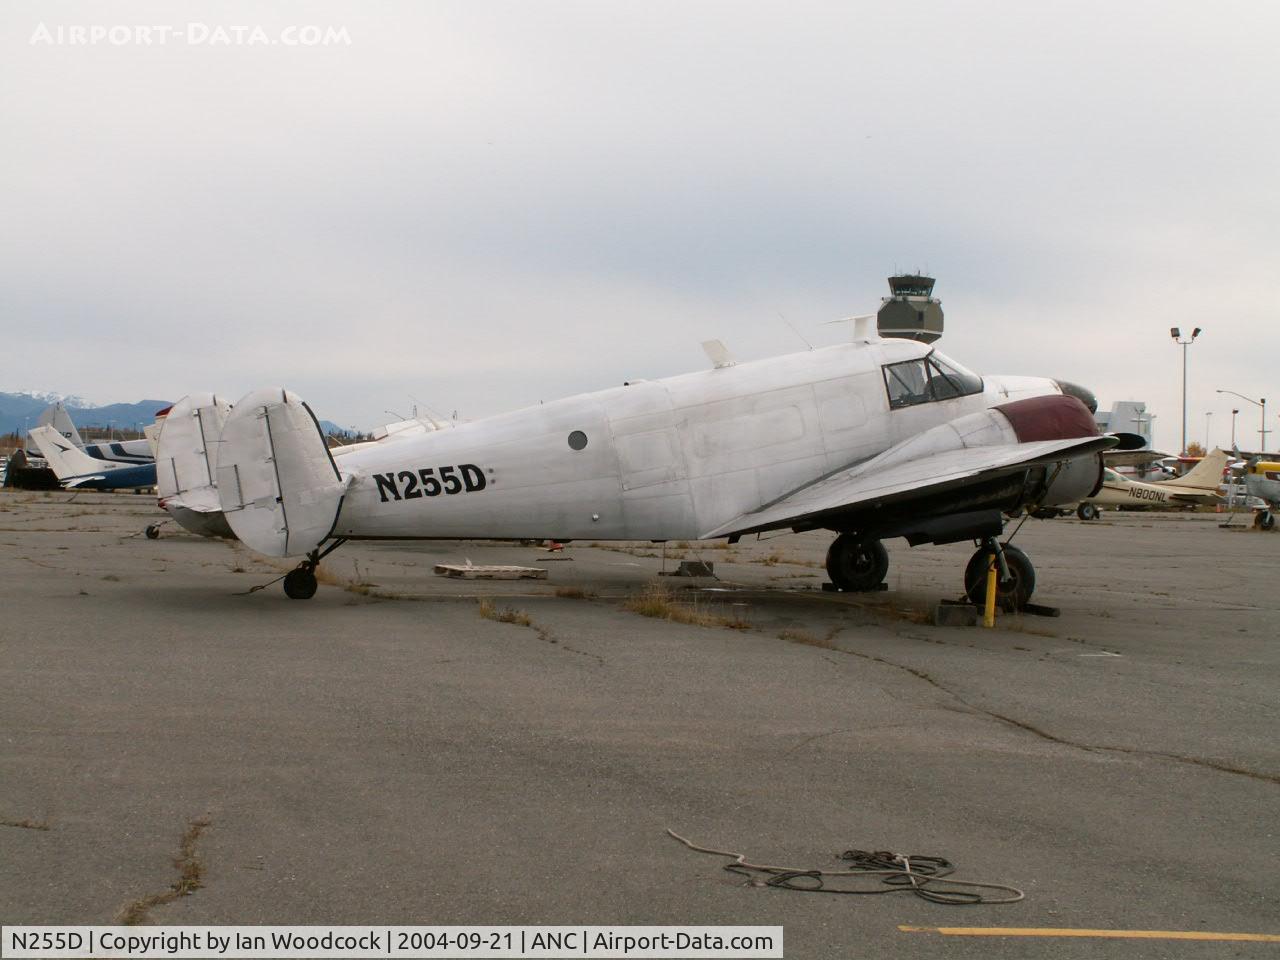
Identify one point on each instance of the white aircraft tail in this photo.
(187, 453)
(66, 460)
(278, 486)
(55, 415)
(1205, 475)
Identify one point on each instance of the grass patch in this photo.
(575, 593)
(491, 611)
(27, 824)
(657, 602)
(804, 637)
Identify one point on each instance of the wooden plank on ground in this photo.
(467, 571)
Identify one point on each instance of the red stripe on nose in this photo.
(1055, 417)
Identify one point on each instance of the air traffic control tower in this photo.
(911, 313)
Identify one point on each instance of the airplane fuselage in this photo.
(1119, 491)
(662, 459)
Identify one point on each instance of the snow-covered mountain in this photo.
(19, 411)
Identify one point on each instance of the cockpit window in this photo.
(908, 383)
(929, 378)
(964, 382)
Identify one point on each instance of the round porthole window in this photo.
(577, 440)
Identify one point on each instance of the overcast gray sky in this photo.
(484, 205)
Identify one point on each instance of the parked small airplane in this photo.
(1262, 480)
(75, 468)
(122, 451)
(873, 439)
(1201, 484)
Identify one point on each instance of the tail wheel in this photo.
(855, 564)
(152, 531)
(300, 584)
(1087, 511)
(1012, 594)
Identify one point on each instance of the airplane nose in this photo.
(1082, 394)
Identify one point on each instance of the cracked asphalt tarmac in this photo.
(383, 754)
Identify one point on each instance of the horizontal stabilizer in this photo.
(277, 484)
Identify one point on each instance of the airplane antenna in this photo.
(794, 330)
(861, 325)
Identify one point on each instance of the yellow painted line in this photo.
(1075, 932)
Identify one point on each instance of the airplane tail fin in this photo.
(66, 460)
(55, 415)
(187, 453)
(277, 483)
(1207, 474)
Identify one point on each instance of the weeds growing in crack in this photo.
(27, 824)
(491, 611)
(826, 642)
(575, 593)
(658, 603)
(190, 878)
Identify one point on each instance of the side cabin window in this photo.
(928, 379)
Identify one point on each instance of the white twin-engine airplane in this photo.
(873, 439)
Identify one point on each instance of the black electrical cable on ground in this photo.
(898, 873)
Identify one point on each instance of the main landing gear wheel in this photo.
(1087, 511)
(855, 564)
(1011, 594)
(1266, 520)
(300, 583)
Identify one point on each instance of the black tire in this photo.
(152, 531)
(300, 584)
(856, 564)
(1011, 595)
(1087, 511)
(1267, 520)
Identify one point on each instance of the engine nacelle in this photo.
(1066, 482)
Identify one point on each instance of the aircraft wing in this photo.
(1132, 458)
(1205, 496)
(877, 482)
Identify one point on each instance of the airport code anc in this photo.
(243, 942)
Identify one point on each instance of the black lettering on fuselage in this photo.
(386, 484)
(411, 491)
(430, 482)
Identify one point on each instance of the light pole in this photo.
(1207, 415)
(1177, 338)
(1257, 403)
(1233, 427)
